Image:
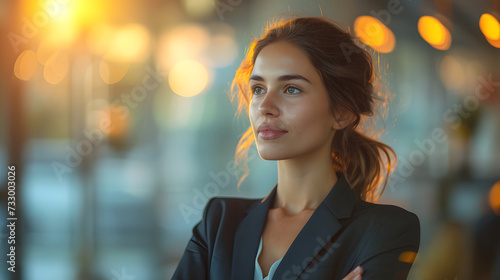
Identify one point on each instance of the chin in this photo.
(273, 155)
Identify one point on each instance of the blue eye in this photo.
(293, 90)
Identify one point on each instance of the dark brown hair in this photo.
(348, 74)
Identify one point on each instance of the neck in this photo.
(303, 183)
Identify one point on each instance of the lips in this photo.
(270, 127)
(270, 131)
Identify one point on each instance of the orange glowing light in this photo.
(494, 198)
(119, 123)
(489, 26)
(407, 257)
(374, 33)
(434, 32)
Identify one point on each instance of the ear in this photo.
(343, 119)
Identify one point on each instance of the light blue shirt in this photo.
(258, 270)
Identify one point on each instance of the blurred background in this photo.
(116, 117)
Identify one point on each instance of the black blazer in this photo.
(342, 233)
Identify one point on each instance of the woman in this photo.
(306, 86)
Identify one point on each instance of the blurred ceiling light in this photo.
(86, 12)
(434, 32)
(374, 33)
(26, 65)
(452, 73)
(129, 44)
(490, 27)
(187, 41)
(494, 198)
(56, 68)
(199, 8)
(188, 78)
(112, 72)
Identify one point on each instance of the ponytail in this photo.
(364, 161)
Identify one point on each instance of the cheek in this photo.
(311, 121)
(252, 112)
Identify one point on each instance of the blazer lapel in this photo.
(247, 238)
(314, 240)
(317, 236)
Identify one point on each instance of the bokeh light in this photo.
(434, 32)
(188, 78)
(452, 73)
(494, 198)
(56, 68)
(187, 41)
(26, 65)
(489, 26)
(129, 44)
(374, 33)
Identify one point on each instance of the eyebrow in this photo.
(281, 78)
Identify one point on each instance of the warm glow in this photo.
(99, 37)
(52, 42)
(86, 12)
(434, 32)
(407, 257)
(374, 33)
(494, 198)
(489, 26)
(26, 65)
(494, 43)
(129, 44)
(187, 41)
(112, 72)
(56, 68)
(119, 122)
(452, 73)
(188, 78)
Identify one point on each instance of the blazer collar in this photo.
(316, 233)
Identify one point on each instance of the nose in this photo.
(270, 103)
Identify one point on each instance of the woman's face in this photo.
(288, 92)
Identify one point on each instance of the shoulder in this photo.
(387, 226)
(219, 208)
(387, 215)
